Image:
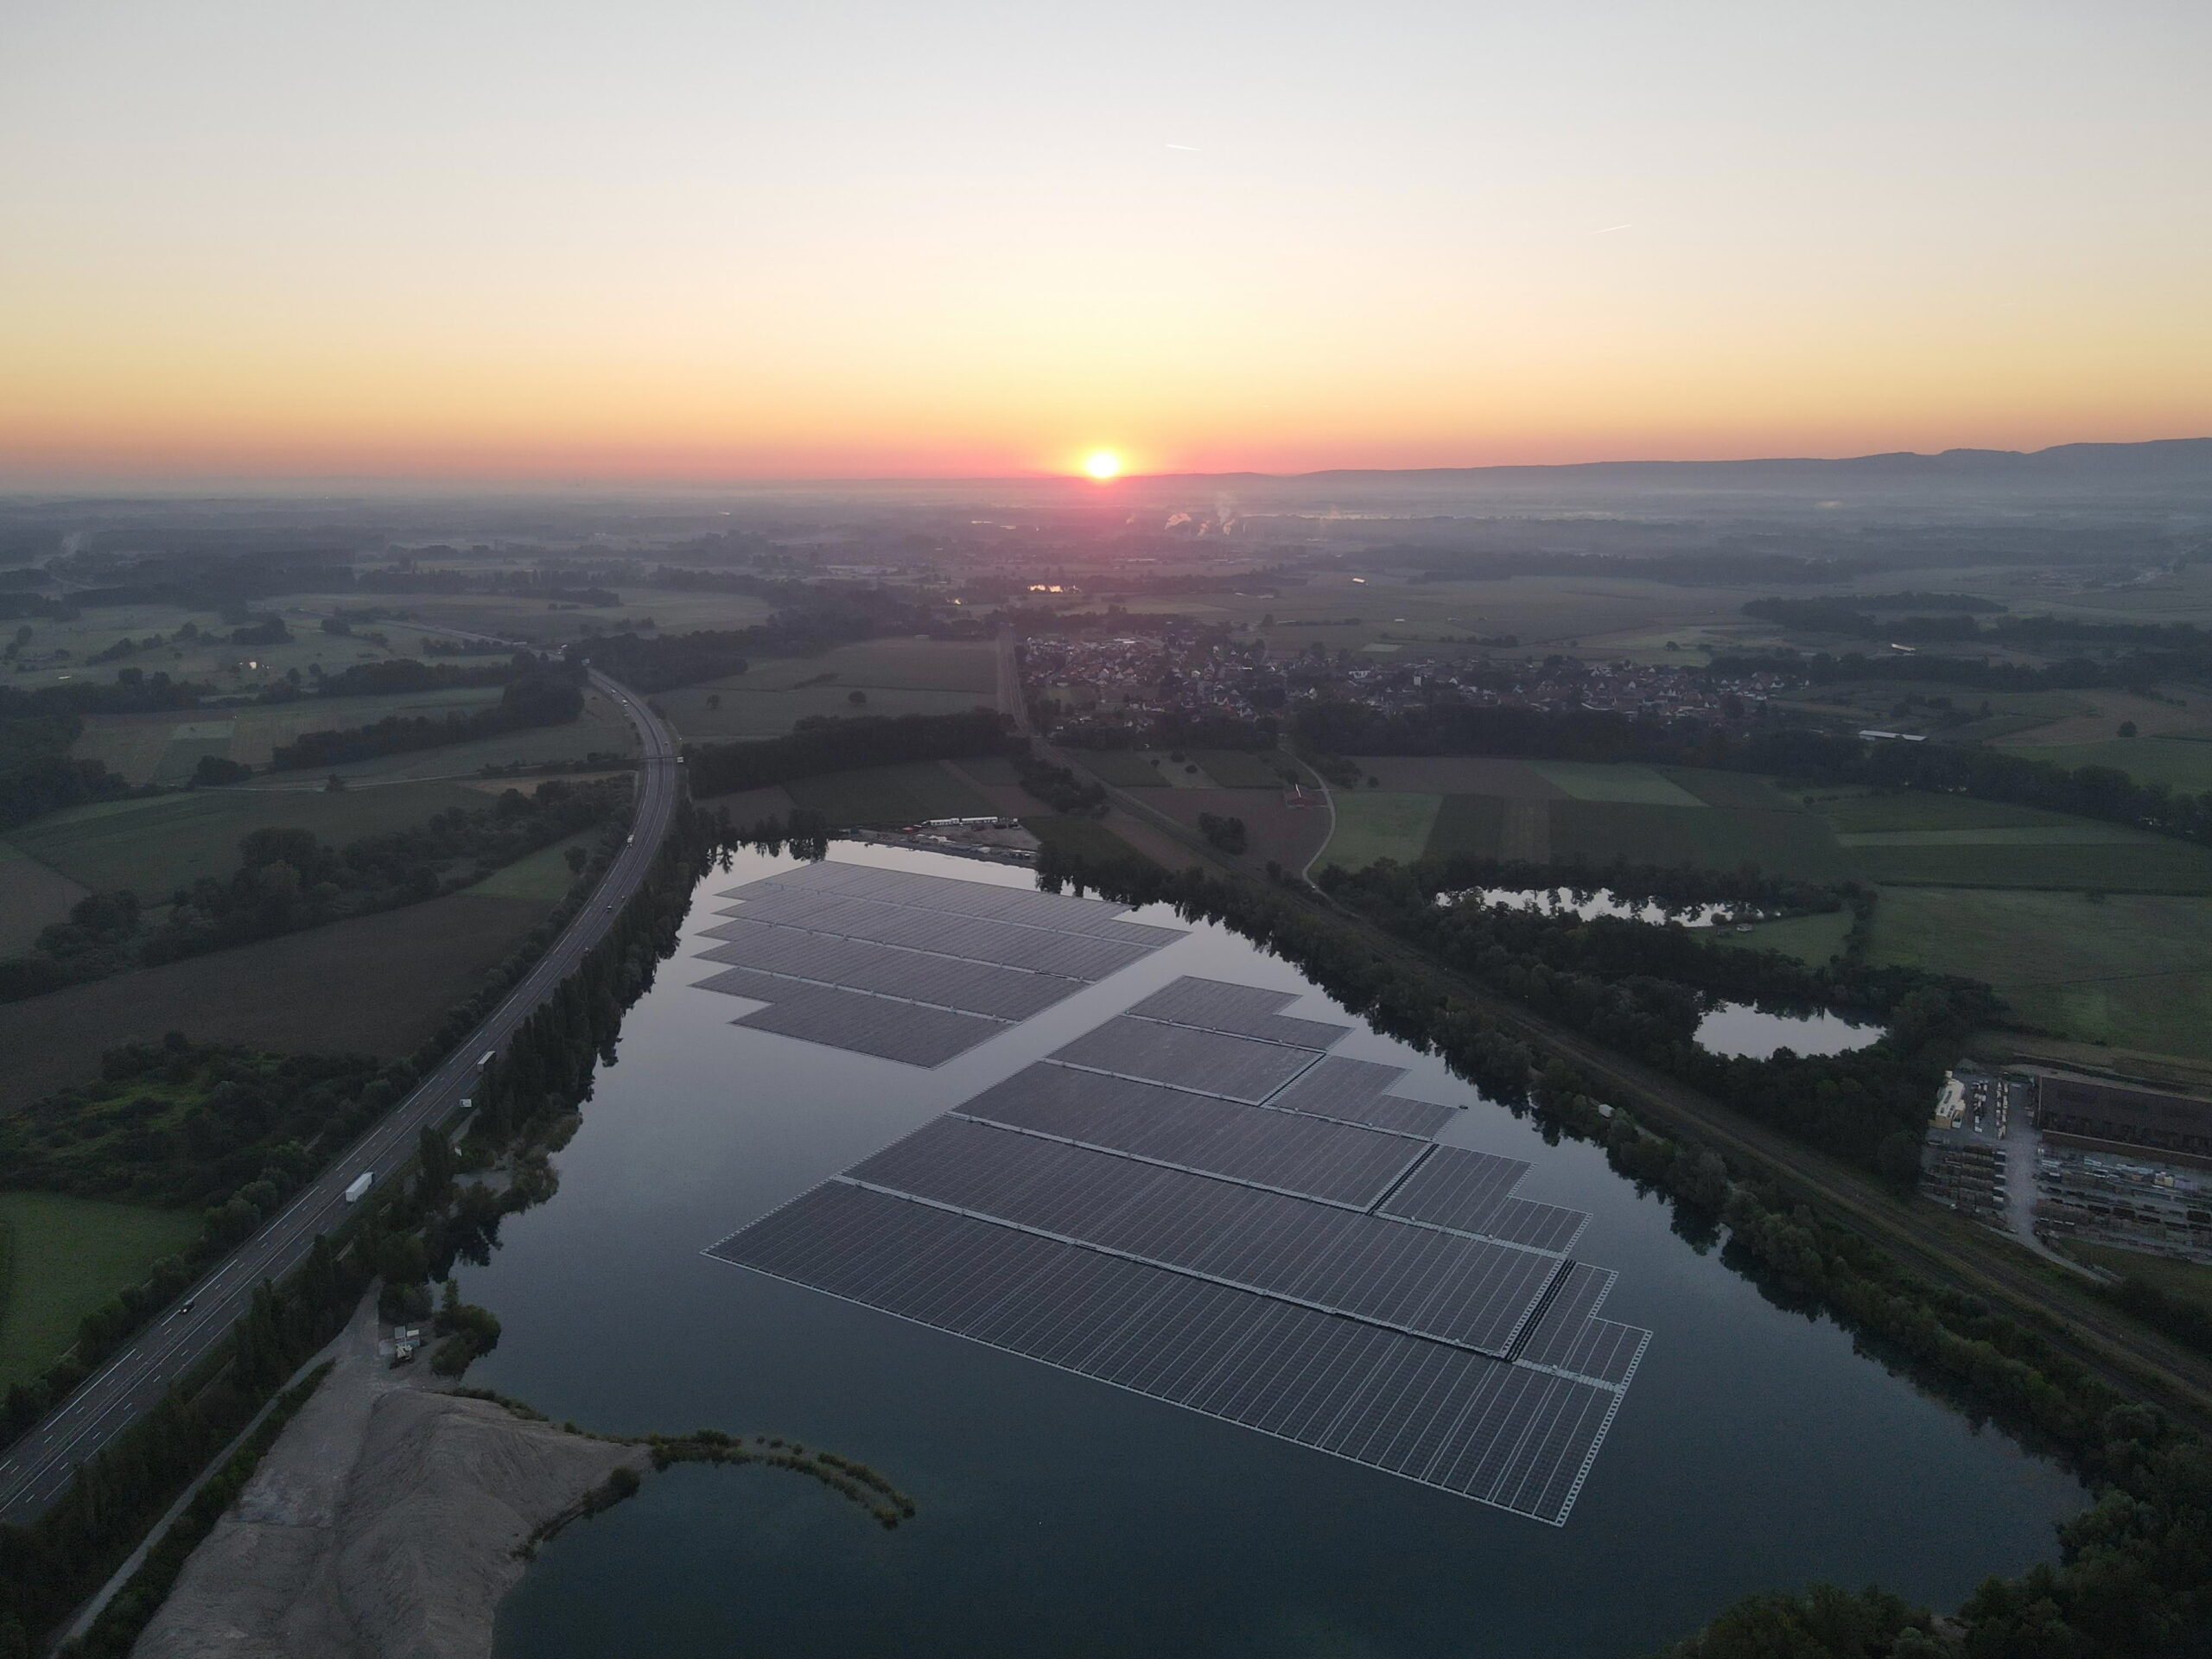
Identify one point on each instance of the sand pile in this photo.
(383, 1523)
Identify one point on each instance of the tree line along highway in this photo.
(38, 1468)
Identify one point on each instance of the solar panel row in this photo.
(947, 982)
(1311, 1157)
(1240, 1010)
(1357, 1091)
(1466, 1291)
(909, 966)
(1079, 956)
(1567, 1337)
(1021, 906)
(1203, 1062)
(1500, 1433)
(1130, 1210)
(906, 1032)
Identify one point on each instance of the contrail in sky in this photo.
(1182, 146)
(1629, 226)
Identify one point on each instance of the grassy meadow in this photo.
(892, 677)
(63, 1257)
(155, 845)
(2133, 970)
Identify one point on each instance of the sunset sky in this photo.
(700, 239)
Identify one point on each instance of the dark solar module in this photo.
(1205, 1062)
(949, 894)
(1355, 1091)
(1567, 1337)
(1471, 1192)
(1241, 1010)
(946, 981)
(1466, 1291)
(1077, 956)
(744, 982)
(906, 1032)
(1537, 1226)
(1308, 1156)
(1497, 1433)
(1454, 1187)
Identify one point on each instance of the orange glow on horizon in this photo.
(1102, 465)
(942, 249)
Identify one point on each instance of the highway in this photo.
(39, 1466)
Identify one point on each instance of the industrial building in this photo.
(2165, 1123)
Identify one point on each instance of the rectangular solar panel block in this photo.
(1536, 1226)
(1205, 1062)
(1077, 956)
(1496, 1432)
(1578, 1293)
(1021, 905)
(744, 982)
(1568, 1337)
(1454, 1187)
(1470, 1292)
(1308, 1156)
(1354, 1091)
(905, 1032)
(1241, 1010)
(890, 970)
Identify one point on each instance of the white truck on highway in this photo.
(358, 1188)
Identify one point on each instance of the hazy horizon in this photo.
(684, 243)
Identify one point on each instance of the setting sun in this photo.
(1102, 464)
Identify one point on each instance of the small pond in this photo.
(1589, 903)
(1743, 1031)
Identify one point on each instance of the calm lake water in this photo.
(1738, 1028)
(1060, 1516)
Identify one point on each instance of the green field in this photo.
(541, 622)
(889, 795)
(1241, 768)
(2185, 1281)
(1812, 939)
(155, 846)
(163, 748)
(1375, 823)
(1474, 826)
(544, 875)
(31, 897)
(1085, 836)
(1784, 844)
(894, 676)
(210, 659)
(65, 1257)
(2182, 763)
(2134, 970)
(1124, 768)
(1588, 780)
(1871, 814)
(1739, 792)
(2147, 866)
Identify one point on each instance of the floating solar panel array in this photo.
(1192, 1201)
(912, 968)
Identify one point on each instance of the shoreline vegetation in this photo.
(855, 1481)
(379, 1463)
(2132, 1581)
(49, 1566)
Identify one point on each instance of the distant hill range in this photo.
(2167, 461)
